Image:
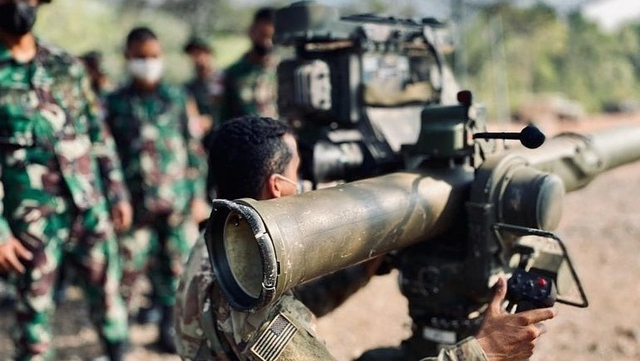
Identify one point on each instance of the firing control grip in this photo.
(527, 291)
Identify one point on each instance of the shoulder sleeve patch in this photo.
(273, 340)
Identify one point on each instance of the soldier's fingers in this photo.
(14, 263)
(117, 217)
(127, 217)
(117, 224)
(499, 295)
(538, 315)
(542, 328)
(23, 252)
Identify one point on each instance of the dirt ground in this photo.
(601, 226)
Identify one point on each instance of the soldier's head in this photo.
(92, 61)
(201, 55)
(144, 57)
(254, 157)
(17, 17)
(261, 31)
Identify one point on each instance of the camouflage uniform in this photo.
(55, 154)
(164, 169)
(206, 93)
(208, 328)
(249, 89)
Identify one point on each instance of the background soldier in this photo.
(163, 166)
(257, 157)
(250, 84)
(100, 83)
(206, 85)
(54, 155)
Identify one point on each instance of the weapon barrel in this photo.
(577, 159)
(261, 249)
(617, 146)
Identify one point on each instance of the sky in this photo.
(611, 13)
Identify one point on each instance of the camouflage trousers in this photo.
(84, 240)
(159, 248)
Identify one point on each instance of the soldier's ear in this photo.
(271, 188)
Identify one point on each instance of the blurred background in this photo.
(568, 57)
(571, 63)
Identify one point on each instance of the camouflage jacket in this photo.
(206, 93)
(249, 89)
(52, 141)
(164, 165)
(207, 328)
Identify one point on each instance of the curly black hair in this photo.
(244, 152)
(140, 34)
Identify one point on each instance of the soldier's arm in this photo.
(197, 160)
(197, 163)
(11, 250)
(510, 337)
(282, 331)
(503, 336)
(104, 149)
(5, 231)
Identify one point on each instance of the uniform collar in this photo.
(6, 56)
(132, 89)
(160, 91)
(272, 61)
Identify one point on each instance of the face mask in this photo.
(17, 18)
(298, 185)
(262, 50)
(146, 69)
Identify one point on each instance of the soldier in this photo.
(257, 157)
(206, 85)
(163, 165)
(250, 83)
(100, 83)
(56, 160)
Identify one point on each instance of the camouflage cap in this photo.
(196, 42)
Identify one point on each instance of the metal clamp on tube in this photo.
(242, 254)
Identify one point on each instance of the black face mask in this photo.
(262, 50)
(17, 18)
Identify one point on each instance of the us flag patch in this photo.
(273, 340)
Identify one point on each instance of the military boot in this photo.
(166, 339)
(116, 350)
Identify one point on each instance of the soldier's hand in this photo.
(11, 252)
(200, 210)
(122, 215)
(510, 337)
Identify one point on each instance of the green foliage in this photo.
(511, 52)
(80, 26)
(543, 52)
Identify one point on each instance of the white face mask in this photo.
(147, 69)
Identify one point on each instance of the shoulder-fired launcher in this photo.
(466, 224)
(369, 96)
